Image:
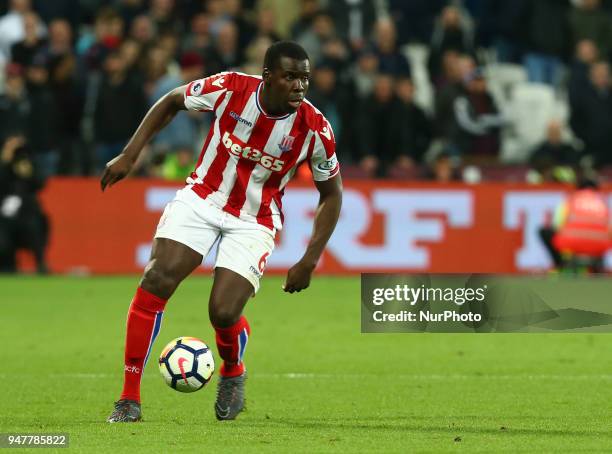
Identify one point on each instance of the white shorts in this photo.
(244, 247)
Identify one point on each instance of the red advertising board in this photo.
(384, 226)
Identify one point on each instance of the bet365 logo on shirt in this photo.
(265, 160)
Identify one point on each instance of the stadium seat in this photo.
(417, 55)
(502, 78)
(531, 108)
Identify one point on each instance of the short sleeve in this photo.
(204, 94)
(323, 161)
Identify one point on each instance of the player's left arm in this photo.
(326, 175)
(326, 218)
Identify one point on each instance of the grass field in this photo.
(316, 384)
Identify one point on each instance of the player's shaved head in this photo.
(281, 49)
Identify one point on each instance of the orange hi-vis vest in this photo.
(586, 230)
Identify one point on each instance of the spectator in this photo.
(554, 159)
(500, 26)
(354, 20)
(164, 17)
(199, 39)
(132, 54)
(410, 127)
(307, 13)
(120, 106)
(246, 30)
(23, 223)
(14, 104)
(331, 98)
(130, 9)
(591, 114)
(390, 59)
(457, 70)
(265, 25)
(588, 20)
(377, 145)
(364, 73)
(23, 51)
(285, 13)
(453, 32)
(68, 92)
(178, 165)
(546, 35)
(157, 62)
(477, 120)
(44, 118)
(255, 55)
(142, 30)
(443, 169)
(318, 35)
(226, 54)
(415, 18)
(108, 33)
(183, 131)
(12, 26)
(586, 53)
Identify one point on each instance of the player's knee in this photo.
(223, 315)
(159, 281)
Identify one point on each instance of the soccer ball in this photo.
(186, 364)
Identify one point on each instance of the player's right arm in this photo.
(158, 116)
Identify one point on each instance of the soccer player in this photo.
(263, 130)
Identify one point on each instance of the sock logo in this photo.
(132, 369)
(180, 365)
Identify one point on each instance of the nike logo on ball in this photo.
(180, 365)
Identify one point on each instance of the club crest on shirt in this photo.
(286, 143)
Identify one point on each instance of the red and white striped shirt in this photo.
(249, 156)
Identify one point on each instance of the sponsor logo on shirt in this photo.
(239, 119)
(265, 160)
(328, 165)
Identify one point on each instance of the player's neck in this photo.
(268, 105)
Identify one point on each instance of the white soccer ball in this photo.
(186, 364)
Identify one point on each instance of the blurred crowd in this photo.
(430, 89)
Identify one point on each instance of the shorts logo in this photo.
(253, 270)
(258, 156)
(286, 143)
(328, 165)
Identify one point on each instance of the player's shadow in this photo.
(427, 425)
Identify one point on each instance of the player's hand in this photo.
(298, 277)
(116, 170)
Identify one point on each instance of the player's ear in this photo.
(266, 74)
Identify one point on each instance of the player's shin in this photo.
(143, 325)
(231, 343)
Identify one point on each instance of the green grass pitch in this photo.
(316, 383)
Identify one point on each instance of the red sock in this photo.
(143, 323)
(231, 343)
